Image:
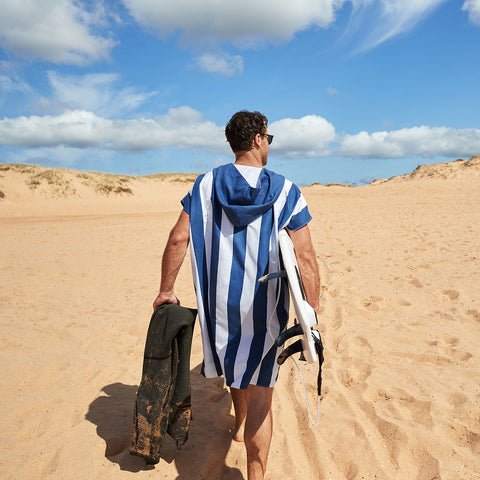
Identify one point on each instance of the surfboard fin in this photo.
(289, 333)
(290, 350)
(297, 347)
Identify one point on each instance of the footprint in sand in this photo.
(475, 314)
(452, 341)
(362, 342)
(338, 320)
(461, 435)
(420, 410)
(446, 348)
(52, 465)
(458, 355)
(354, 372)
(370, 303)
(345, 378)
(416, 282)
(457, 399)
(429, 466)
(451, 294)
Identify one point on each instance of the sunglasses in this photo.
(269, 137)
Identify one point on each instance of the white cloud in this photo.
(309, 136)
(385, 19)
(222, 64)
(251, 23)
(182, 128)
(473, 9)
(77, 129)
(243, 23)
(95, 93)
(59, 31)
(422, 141)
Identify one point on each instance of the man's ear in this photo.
(256, 141)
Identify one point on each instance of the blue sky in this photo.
(353, 89)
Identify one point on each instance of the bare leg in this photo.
(240, 406)
(258, 429)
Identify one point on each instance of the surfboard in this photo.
(306, 316)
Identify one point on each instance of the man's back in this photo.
(234, 229)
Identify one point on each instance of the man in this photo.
(232, 216)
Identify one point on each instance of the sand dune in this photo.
(400, 320)
(33, 190)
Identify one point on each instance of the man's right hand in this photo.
(165, 298)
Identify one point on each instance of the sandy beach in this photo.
(400, 320)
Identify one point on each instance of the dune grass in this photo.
(174, 177)
(105, 183)
(18, 167)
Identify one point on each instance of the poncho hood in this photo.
(241, 202)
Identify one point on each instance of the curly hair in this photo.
(242, 128)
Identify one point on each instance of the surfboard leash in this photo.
(314, 423)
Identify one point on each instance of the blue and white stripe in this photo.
(239, 317)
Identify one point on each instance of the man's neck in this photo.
(248, 158)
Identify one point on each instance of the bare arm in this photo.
(307, 263)
(172, 259)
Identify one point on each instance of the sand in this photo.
(400, 320)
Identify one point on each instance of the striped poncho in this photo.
(233, 242)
